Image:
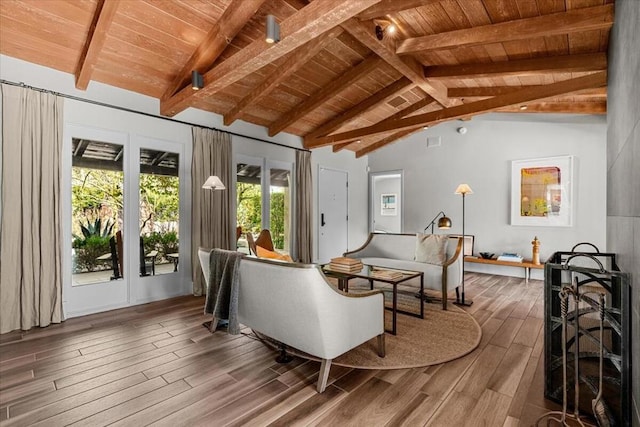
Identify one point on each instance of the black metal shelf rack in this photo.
(589, 270)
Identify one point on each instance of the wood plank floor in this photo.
(155, 364)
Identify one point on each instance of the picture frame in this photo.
(389, 204)
(542, 192)
(467, 245)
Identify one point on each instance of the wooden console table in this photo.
(526, 264)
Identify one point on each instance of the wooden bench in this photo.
(526, 264)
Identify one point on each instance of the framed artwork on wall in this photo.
(389, 204)
(542, 192)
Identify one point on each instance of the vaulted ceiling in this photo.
(329, 79)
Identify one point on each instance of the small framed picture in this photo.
(389, 204)
(467, 245)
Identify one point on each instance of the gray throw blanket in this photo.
(222, 295)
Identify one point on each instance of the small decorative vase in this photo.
(536, 251)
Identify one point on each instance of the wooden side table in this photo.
(526, 264)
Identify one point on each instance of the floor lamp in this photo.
(463, 189)
(214, 183)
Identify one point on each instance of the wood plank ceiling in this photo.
(329, 79)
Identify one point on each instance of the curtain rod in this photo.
(116, 107)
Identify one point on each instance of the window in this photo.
(97, 211)
(159, 212)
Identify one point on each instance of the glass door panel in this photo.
(159, 210)
(122, 196)
(280, 209)
(97, 212)
(248, 201)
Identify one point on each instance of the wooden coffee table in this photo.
(368, 272)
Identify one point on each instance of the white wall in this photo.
(482, 158)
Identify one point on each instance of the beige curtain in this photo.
(210, 210)
(30, 227)
(304, 190)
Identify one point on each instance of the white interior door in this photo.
(332, 213)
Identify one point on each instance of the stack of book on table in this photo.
(345, 265)
(510, 257)
(387, 274)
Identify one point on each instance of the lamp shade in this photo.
(213, 183)
(463, 189)
(444, 223)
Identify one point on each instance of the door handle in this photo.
(322, 223)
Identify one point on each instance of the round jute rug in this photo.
(440, 337)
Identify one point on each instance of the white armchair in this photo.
(294, 304)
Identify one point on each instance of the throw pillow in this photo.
(431, 248)
(266, 253)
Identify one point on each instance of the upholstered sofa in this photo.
(295, 305)
(398, 251)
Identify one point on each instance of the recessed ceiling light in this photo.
(425, 127)
(523, 107)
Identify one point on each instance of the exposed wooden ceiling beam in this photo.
(587, 107)
(407, 66)
(397, 116)
(376, 99)
(416, 106)
(384, 141)
(487, 91)
(233, 19)
(325, 93)
(392, 6)
(520, 97)
(308, 23)
(102, 18)
(542, 107)
(521, 67)
(571, 21)
(296, 59)
(341, 146)
(315, 143)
